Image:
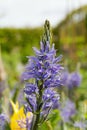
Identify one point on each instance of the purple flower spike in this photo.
(80, 124)
(67, 110)
(45, 70)
(3, 118)
(75, 79)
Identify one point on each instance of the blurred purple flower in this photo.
(67, 110)
(71, 80)
(80, 124)
(3, 118)
(75, 79)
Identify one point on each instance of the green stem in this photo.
(49, 125)
(35, 127)
(39, 100)
(62, 125)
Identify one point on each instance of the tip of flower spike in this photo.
(47, 25)
(47, 32)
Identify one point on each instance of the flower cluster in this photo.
(3, 119)
(81, 124)
(71, 80)
(45, 72)
(67, 110)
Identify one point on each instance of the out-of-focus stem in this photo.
(62, 125)
(49, 125)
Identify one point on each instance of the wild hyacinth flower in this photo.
(45, 71)
(80, 124)
(71, 80)
(3, 119)
(67, 110)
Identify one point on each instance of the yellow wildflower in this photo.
(18, 119)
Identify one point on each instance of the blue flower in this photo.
(3, 119)
(67, 110)
(44, 67)
(30, 88)
(32, 105)
(80, 124)
(75, 79)
(50, 99)
(45, 70)
(71, 80)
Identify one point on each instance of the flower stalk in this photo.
(39, 99)
(45, 70)
(46, 37)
